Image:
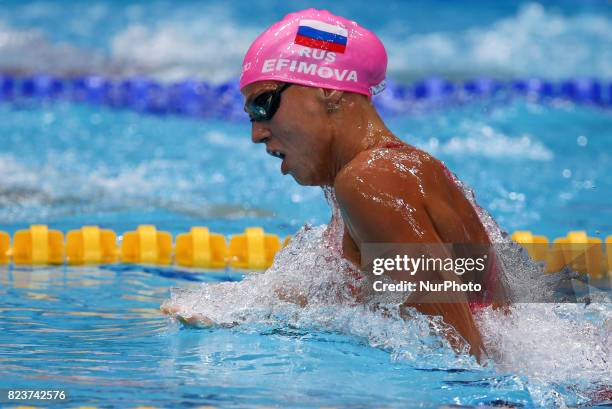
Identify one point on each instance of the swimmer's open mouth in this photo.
(276, 154)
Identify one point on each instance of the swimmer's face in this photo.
(298, 132)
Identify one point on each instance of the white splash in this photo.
(534, 42)
(211, 43)
(309, 286)
(31, 51)
(480, 139)
(205, 47)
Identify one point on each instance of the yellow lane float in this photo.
(536, 246)
(5, 247)
(200, 248)
(91, 245)
(254, 249)
(609, 254)
(576, 250)
(146, 245)
(38, 245)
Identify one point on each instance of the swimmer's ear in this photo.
(331, 98)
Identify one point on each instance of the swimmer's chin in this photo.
(305, 182)
(286, 170)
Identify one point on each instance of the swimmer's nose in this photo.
(259, 133)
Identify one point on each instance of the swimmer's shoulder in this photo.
(380, 170)
(400, 161)
(431, 171)
(383, 197)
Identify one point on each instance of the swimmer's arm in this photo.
(381, 206)
(192, 320)
(291, 296)
(377, 209)
(198, 320)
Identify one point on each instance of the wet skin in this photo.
(404, 196)
(385, 195)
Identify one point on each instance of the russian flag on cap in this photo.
(317, 34)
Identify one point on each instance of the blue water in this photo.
(98, 334)
(97, 331)
(208, 39)
(67, 165)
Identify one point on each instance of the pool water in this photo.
(98, 332)
(69, 164)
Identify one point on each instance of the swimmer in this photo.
(308, 83)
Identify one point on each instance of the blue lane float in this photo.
(482, 86)
(42, 86)
(196, 98)
(533, 87)
(434, 88)
(7, 85)
(93, 89)
(582, 90)
(190, 97)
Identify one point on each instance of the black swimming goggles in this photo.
(264, 106)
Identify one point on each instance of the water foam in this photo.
(534, 42)
(308, 287)
(175, 50)
(210, 44)
(479, 139)
(32, 51)
(563, 348)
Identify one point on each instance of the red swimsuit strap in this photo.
(489, 284)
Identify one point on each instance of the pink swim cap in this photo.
(317, 49)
